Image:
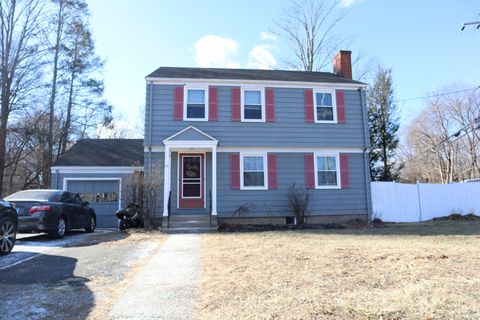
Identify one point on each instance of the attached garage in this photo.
(103, 194)
(95, 168)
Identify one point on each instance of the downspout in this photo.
(366, 154)
(150, 127)
(57, 179)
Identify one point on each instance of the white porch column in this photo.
(214, 180)
(166, 180)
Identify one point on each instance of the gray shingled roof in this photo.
(249, 74)
(103, 152)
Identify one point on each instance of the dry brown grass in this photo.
(422, 271)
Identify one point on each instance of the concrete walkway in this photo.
(166, 287)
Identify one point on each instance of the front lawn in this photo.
(398, 271)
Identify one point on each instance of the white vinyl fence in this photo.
(399, 202)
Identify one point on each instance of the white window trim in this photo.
(334, 105)
(185, 96)
(265, 170)
(242, 102)
(337, 162)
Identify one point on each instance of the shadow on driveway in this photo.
(71, 239)
(44, 288)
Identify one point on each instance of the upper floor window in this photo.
(324, 104)
(253, 168)
(327, 171)
(196, 104)
(253, 106)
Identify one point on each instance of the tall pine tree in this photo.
(383, 125)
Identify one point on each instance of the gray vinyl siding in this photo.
(155, 161)
(288, 130)
(291, 169)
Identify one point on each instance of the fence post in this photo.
(419, 203)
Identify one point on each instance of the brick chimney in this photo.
(342, 64)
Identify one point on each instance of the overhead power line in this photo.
(477, 23)
(437, 95)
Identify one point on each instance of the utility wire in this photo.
(437, 95)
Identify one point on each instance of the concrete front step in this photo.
(189, 230)
(191, 217)
(191, 223)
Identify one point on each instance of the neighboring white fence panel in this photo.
(398, 202)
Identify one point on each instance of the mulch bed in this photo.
(352, 224)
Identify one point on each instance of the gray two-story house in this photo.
(231, 142)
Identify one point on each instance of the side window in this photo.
(253, 105)
(327, 171)
(253, 169)
(325, 109)
(195, 104)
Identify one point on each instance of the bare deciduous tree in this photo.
(308, 26)
(442, 143)
(142, 189)
(20, 55)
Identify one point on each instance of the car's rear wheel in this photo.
(7, 235)
(61, 228)
(91, 225)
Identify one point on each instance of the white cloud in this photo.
(216, 51)
(268, 36)
(349, 3)
(260, 57)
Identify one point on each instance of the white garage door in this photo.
(104, 198)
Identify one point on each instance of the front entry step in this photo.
(190, 223)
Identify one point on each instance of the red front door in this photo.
(191, 181)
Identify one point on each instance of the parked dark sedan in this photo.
(8, 227)
(52, 211)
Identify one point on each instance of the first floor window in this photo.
(324, 106)
(254, 171)
(327, 168)
(196, 104)
(252, 105)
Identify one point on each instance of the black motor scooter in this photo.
(130, 217)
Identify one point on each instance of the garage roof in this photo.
(103, 152)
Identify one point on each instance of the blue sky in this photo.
(420, 40)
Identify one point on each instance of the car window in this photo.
(78, 199)
(67, 197)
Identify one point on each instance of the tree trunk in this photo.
(49, 156)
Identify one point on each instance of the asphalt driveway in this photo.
(78, 277)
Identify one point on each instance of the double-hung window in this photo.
(196, 104)
(325, 108)
(327, 171)
(253, 168)
(253, 105)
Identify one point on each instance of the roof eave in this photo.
(165, 80)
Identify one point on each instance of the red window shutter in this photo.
(272, 171)
(212, 104)
(309, 171)
(309, 106)
(235, 171)
(345, 182)
(236, 104)
(340, 106)
(269, 105)
(178, 104)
